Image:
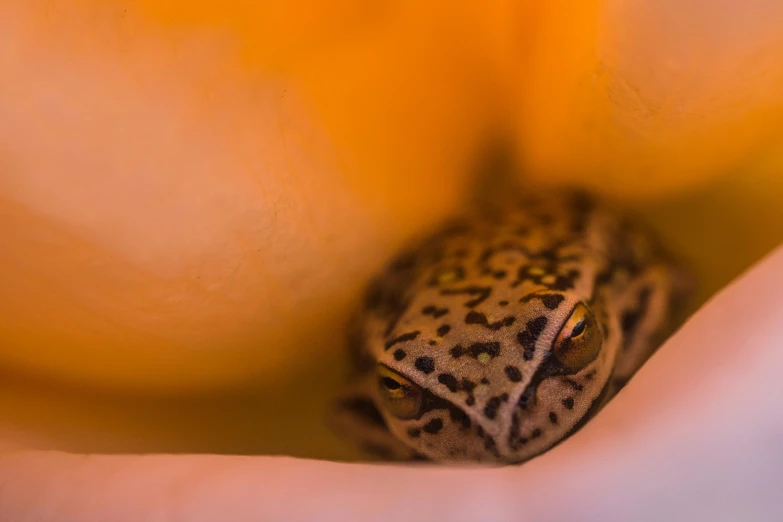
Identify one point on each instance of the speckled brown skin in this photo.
(465, 330)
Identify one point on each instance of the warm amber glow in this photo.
(193, 193)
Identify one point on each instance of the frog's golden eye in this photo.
(402, 397)
(579, 341)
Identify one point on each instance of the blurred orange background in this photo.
(192, 194)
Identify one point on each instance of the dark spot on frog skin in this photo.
(552, 301)
(566, 282)
(449, 381)
(433, 427)
(410, 336)
(443, 330)
(492, 349)
(529, 336)
(481, 293)
(476, 349)
(425, 365)
(459, 416)
(568, 403)
(468, 386)
(513, 373)
(434, 311)
(474, 317)
(399, 354)
(491, 408)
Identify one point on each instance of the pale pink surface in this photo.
(695, 436)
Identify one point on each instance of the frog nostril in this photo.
(390, 383)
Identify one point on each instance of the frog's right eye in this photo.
(579, 340)
(402, 397)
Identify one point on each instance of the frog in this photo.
(500, 333)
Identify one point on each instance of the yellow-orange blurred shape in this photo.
(659, 97)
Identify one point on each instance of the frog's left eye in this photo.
(402, 397)
(579, 341)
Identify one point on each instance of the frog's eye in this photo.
(579, 341)
(402, 397)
